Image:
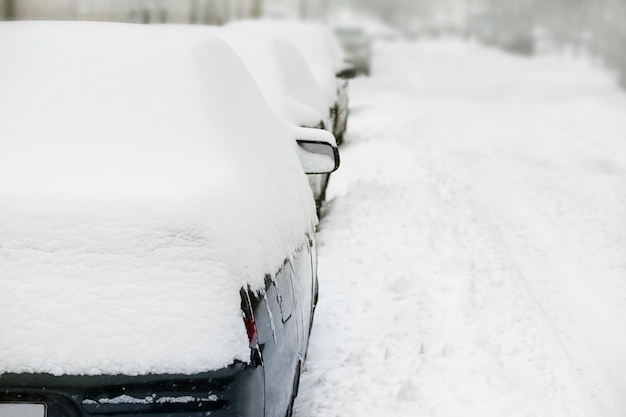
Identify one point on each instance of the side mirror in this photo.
(318, 157)
(317, 150)
(347, 73)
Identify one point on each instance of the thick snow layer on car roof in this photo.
(280, 71)
(143, 182)
(316, 42)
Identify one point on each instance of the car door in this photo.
(304, 284)
(279, 340)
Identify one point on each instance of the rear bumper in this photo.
(234, 391)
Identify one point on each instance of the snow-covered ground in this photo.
(473, 254)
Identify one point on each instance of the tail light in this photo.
(251, 329)
(248, 317)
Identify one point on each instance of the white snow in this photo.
(315, 41)
(372, 27)
(472, 259)
(314, 135)
(185, 399)
(143, 182)
(127, 399)
(279, 70)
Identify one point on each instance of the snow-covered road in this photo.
(473, 254)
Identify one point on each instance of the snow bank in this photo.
(143, 182)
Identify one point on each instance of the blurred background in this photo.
(593, 27)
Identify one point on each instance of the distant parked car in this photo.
(357, 45)
(157, 254)
(285, 80)
(319, 46)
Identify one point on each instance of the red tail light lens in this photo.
(248, 317)
(251, 329)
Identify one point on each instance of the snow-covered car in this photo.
(157, 247)
(285, 80)
(280, 72)
(357, 45)
(322, 51)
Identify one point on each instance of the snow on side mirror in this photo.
(317, 151)
(318, 157)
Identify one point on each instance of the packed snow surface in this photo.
(472, 258)
(143, 182)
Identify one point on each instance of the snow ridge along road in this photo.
(473, 254)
